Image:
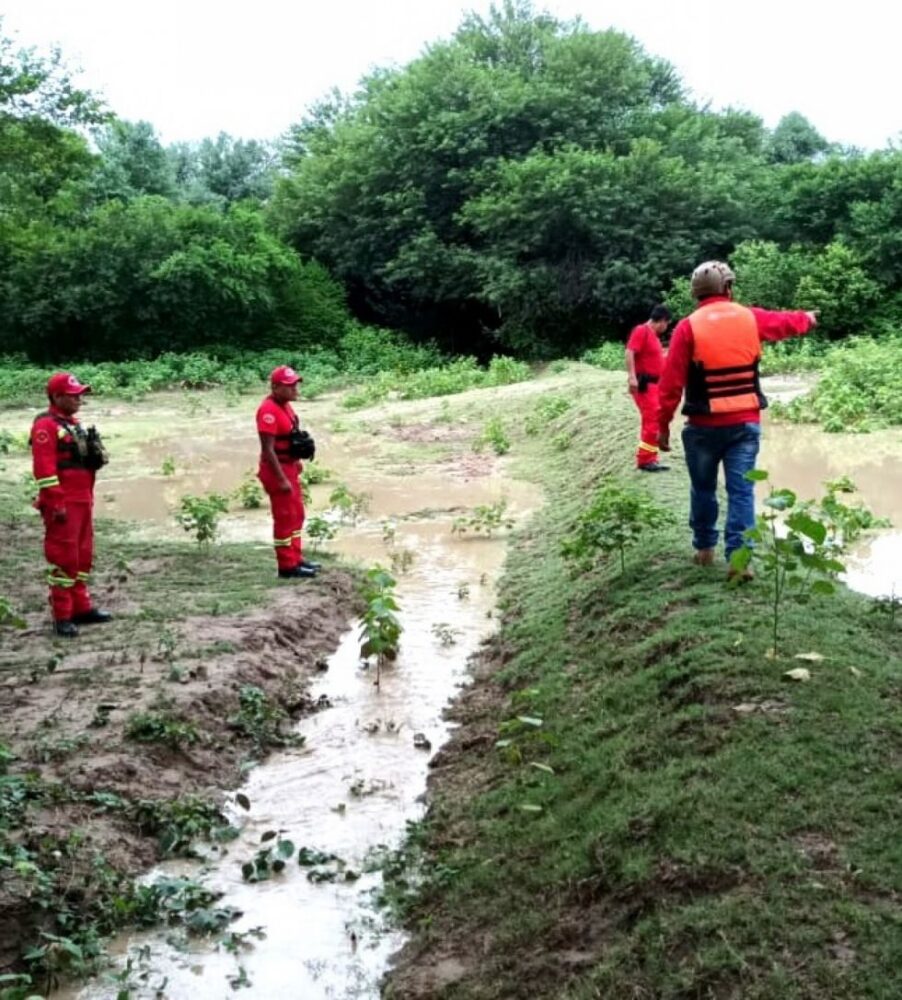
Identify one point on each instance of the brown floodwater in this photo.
(803, 458)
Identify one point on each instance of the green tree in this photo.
(404, 190)
(132, 162)
(148, 275)
(795, 140)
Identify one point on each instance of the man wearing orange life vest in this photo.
(282, 445)
(65, 459)
(644, 364)
(714, 356)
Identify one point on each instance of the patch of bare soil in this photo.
(68, 726)
(425, 433)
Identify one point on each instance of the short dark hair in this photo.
(659, 313)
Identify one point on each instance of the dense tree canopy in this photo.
(526, 184)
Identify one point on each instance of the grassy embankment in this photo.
(671, 816)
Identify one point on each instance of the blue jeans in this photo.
(736, 446)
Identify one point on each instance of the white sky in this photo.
(196, 67)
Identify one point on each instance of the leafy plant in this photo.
(261, 720)
(313, 474)
(200, 516)
(859, 388)
(495, 435)
(8, 616)
(168, 466)
(381, 629)
(402, 560)
(618, 516)
(249, 493)
(546, 409)
(179, 823)
(796, 545)
(269, 859)
(484, 520)
(10, 442)
(181, 902)
(155, 727)
(319, 529)
(608, 355)
(350, 505)
(446, 634)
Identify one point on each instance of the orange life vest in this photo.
(723, 374)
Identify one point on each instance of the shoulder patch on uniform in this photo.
(42, 437)
(268, 418)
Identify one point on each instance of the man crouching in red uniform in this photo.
(282, 445)
(66, 458)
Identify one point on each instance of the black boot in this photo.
(92, 617)
(315, 566)
(65, 628)
(297, 572)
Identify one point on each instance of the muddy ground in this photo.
(66, 706)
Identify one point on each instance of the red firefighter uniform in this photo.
(649, 359)
(66, 502)
(279, 420)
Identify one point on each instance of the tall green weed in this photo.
(860, 388)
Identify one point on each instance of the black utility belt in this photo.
(646, 380)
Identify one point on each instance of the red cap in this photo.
(65, 384)
(285, 375)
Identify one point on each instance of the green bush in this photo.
(608, 356)
(860, 388)
(455, 376)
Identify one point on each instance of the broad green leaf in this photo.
(807, 526)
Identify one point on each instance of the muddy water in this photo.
(359, 777)
(803, 458)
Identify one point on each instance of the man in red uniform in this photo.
(714, 356)
(644, 364)
(280, 451)
(65, 463)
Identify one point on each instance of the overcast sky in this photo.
(195, 67)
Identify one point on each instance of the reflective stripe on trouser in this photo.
(288, 519)
(69, 549)
(647, 402)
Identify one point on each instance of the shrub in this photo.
(860, 388)
(617, 517)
